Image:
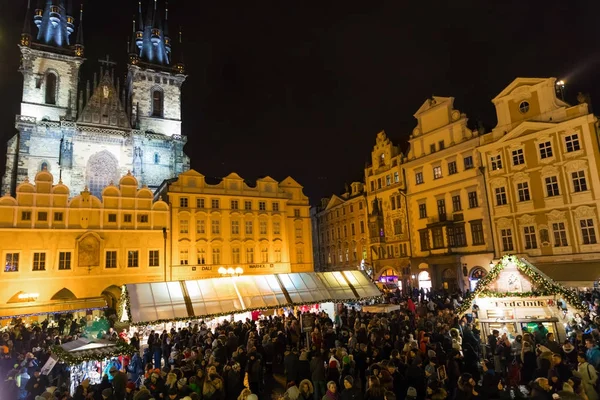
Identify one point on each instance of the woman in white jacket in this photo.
(587, 373)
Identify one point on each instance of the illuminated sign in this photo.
(520, 303)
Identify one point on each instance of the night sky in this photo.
(301, 88)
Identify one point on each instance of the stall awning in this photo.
(171, 301)
(25, 309)
(76, 351)
(584, 272)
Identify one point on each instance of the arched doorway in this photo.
(476, 274)
(390, 279)
(449, 279)
(424, 280)
(112, 294)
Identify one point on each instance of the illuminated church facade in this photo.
(89, 134)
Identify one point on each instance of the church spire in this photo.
(54, 24)
(180, 61)
(26, 33)
(79, 47)
(166, 30)
(153, 45)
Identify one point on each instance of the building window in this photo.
(523, 107)
(441, 145)
(397, 227)
(112, 217)
(133, 259)
(362, 226)
(200, 226)
(360, 205)
(477, 233)
(234, 204)
(111, 259)
(248, 227)
(235, 255)
(58, 217)
(12, 262)
(345, 232)
(523, 191)
(388, 180)
(544, 235)
(201, 254)
(249, 255)
(215, 227)
(500, 196)
(432, 148)
(277, 255)
(437, 234)
(352, 229)
(396, 177)
(264, 255)
(26, 215)
(468, 160)
(473, 202)
(422, 210)
(216, 256)
(247, 205)
(452, 168)
(143, 218)
(419, 178)
(39, 261)
(262, 205)
(460, 236)
(235, 227)
(214, 203)
(42, 216)
(507, 240)
(530, 238)
(299, 255)
(275, 206)
(372, 186)
(437, 172)
(456, 206)
(441, 208)
(276, 228)
(552, 186)
(296, 212)
(183, 202)
(496, 162)
(127, 218)
(153, 260)
(572, 143)
(184, 257)
(545, 150)
(183, 226)
(199, 203)
(157, 103)
(579, 183)
(588, 232)
(51, 86)
(379, 183)
(64, 260)
(262, 227)
(560, 234)
(156, 158)
(518, 157)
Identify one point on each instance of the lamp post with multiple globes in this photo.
(231, 271)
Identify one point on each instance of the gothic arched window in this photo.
(102, 169)
(51, 82)
(157, 103)
(44, 166)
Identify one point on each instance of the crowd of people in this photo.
(422, 351)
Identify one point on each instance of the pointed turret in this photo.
(134, 56)
(180, 63)
(70, 19)
(79, 47)
(54, 24)
(139, 33)
(149, 37)
(26, 33)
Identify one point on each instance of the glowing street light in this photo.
(231, 271)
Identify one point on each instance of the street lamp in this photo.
(560, 89)
(231, 271)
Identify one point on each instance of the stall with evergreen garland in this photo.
(516, 297)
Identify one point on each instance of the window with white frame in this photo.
(234, 204)
(560, 234)
(262, 205)
(183, 202)
(473, 201)
(249, 255)
(507, 239)
(235, 255)
(523, 191)
(276, 228)
(214, 203)
(64, 260)
(452, 168)
(299, 255)
(110, 260)
(39, 261)
(153, 258)
(183, 226)
(437, 172)
(200, 226)
(572, 143)
(552, 186)
(201, 254)
(216, 256)
(530, 237)
(588, 231)
(262, 227)
(468, 162)
(264, 255)
(418, 178)
(579, 182)
(396, 177)
(199, 203)
(545, 150)
(518, 157)
(184, 257)
(133, 259)
(496, 162)
(456, 206)
(235, 227)
(248, 227)
(247, 205)
(277, 254)
(215, 227)
(275, 206)
(500, 196)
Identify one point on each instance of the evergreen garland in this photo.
(121, 348)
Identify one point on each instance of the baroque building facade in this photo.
(74, 252)
(452, 244)
(88, 135)
(542, 165)
(262, 229)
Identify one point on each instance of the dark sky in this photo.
(301, 88)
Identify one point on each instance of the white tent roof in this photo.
(170, 301)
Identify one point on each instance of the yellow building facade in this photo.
(342, 240)
(542, 164)
(389, 236)
(262, 229)
(452, 243)
(73, 253)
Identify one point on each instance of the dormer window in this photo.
(51, 81)
(157, 103)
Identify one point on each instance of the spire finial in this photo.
(26, 33)
(166, 11)
(79, 41)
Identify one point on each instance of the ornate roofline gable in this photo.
(525, 83)
(524, 128)
(104, 106)
(434, 102)
(334, 201)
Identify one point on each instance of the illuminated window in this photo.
(200, 226)
(277, 255)
(248, 227)
(215, 227)
(201, 256)
(496, 162)
(419, 178)
(157, 103)
(12, 262)
(262, 227)
(183, 226)
(264, 255)
(276, 228)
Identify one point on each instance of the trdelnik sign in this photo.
(519, 303)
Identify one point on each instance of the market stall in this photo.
(380, 308)
(515, 297)
(166, 302)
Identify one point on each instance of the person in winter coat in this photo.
(303, 367)
(306, 390)
(234, 381)
(254, 370)
(291, 363)
(350, 392)
(317, 370)
(588, 375)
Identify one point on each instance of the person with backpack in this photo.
(589, 378)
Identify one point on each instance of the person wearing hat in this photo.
(411, 393)
(37, 383)
(350, 392)
(107, 394)
(129, 390)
